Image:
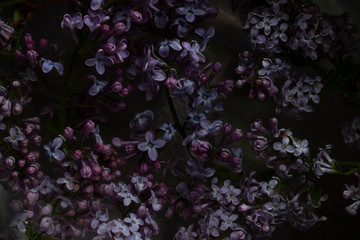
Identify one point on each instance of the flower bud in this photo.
(45, 223)
(109, 48)
(17, 109)
(68, 133)
(46, 210)
(32, 197)
(10, 161)
(31, 56)
(119, 28)
(89, 127)
(116, 87)
(43, 44)
(236, 135)
(170, 82)
(77, 154)
(217, 67)
(135, 16)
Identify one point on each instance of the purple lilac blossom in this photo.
(150, 145)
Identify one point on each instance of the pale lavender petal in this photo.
(143, 146)
(57, 143)
(158, 143)
(90, 62)
(58, 155)
(47, 66)
(153, 155)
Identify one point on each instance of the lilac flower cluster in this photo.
(267, 76)
(288, 155)
(351, 133)
(309, 33)
(352, 193)
(94, 189)
(249, 210)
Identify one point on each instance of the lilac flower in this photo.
(266, 24)
(185, 234)
(123, 15)
(15, 136)
(182, 27)
(134, 221)
(72, 22)
(170, 131)
(209, 128)
(118, 226)
(150, 145)
(276, 4)
(195, 117)
(120, 51)
(189, 11)
(228, 221)
(96, 4)
(53, 151)
(97, 86)
(267, 68)
(206, 98)
(128, 197)
(276, 206)
(68, 180)
(99, 216)
(353, 208)
(256, 38)
(302, 104)
(165, 44)
(48, 65)
(218, 193)
(196, 169)
(284, 146)
(155, 203)
(29, 75)
(160, 19)
(194, 51)
(142, 120)
(100, 61)
(231, 195)
(268, 188)
(280, 33)
(93, 22)
(183, 87)
(206, 36)
(301, 148)
(19, 222)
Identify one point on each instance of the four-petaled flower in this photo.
(194, 51)
(150, 145)
(100, 61)
(206, 98)
(284, 146)
(52, 149)
(68, 180)
(48, 65)
(15, 136)
(301, 148)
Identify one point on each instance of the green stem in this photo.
(345, 163)
(347, 173)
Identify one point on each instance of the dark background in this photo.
(320, 128)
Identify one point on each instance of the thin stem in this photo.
(346, 163)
